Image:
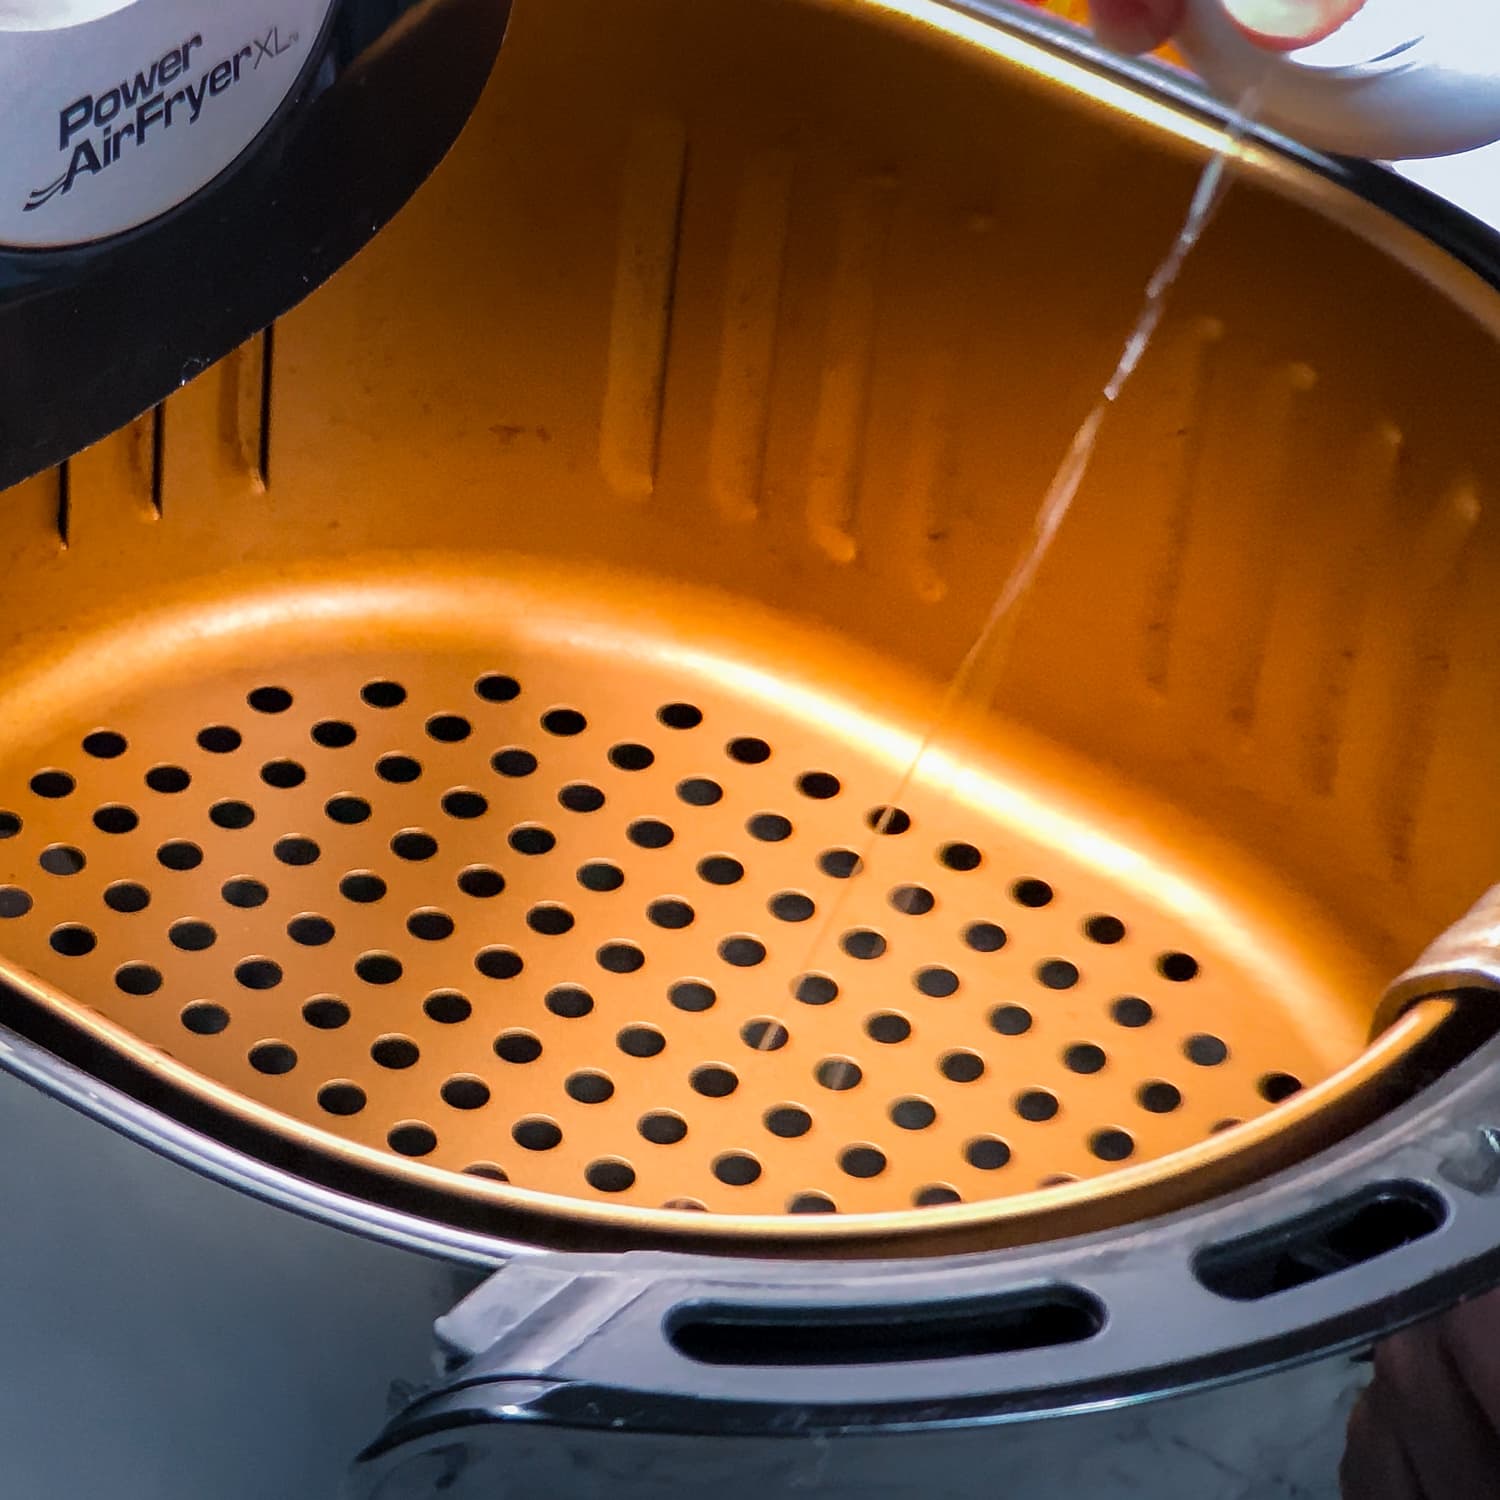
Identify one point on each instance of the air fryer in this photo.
(452, 779)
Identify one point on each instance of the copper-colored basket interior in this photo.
(441, 729)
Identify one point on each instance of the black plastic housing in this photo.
(95, 335)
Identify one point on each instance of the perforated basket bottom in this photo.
(541, 909)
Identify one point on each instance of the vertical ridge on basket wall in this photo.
(1107, 609)
(1320, 634)
(1438, 583)
(215, 439)
(836, 461)
(1437, 774)
(652, 182)
(1168, 573)
(112, 484)
(756, 264)
(1281, 409)
(912, 513)
(30, 529)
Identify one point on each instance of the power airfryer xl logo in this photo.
(98, 130)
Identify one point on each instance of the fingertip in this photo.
(1285, 25)
(1136, 25)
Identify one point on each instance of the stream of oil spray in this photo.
(991, 645)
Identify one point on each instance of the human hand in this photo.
(1141, 25)
(1428, 1425)
(1136, 25)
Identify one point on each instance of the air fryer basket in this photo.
(435, 736)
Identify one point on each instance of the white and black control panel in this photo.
(116, 112)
